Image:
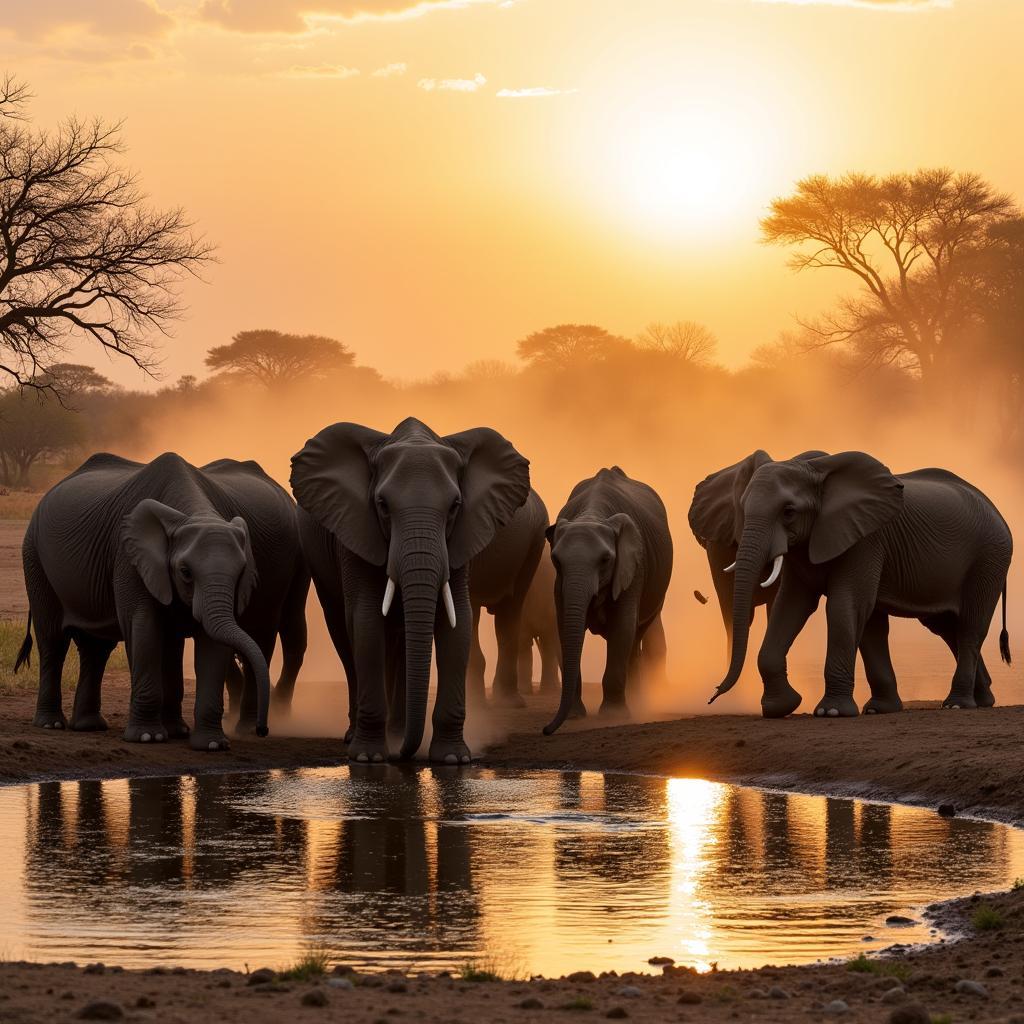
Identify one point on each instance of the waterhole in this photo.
(530, 872)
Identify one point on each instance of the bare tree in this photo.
(685, 340)
(81, 254)
(914, 242)
(273, 358)
(569, 344)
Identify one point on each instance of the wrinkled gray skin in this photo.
(925, 545)
(151, 554)
(612, 553)
(415, 508)
(539, 625)
(499, 579)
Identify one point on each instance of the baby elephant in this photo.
(612, 552)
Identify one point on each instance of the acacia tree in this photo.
(915, 243)
(272, 358)
(82, 257)
(684, 340)
(569, 344)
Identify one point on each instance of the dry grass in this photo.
(18, 504)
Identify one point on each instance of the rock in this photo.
(899, 921)
(836, 1008)
(678, 971)
(629, 992)
(617, 1013)
(262, 976)
(757, 993)
(100, 1009)
(145, 1003)
(912, 1013)
(947, 811)
(94, 969)
(894, 995)
(689, 999)
(581, 976)
(966, 987)
(777, 992)
(341, 983)
(314, 997)
(994, 972)
(398, 986)
(346, 969)
(660, 961)
(531, 1003)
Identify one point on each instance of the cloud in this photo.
(299, 15)
(869, 5)
(452, 84)
(390, 70)
(533, 92)
(321, 71)
(39, 19)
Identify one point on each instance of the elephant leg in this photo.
(144, 642)
(793, 607)
(174, 686)
(211, 665)
(52, 641)
(874, 651)
(846, 616)
(476, 667)
(507, 619)
(294, 640)
(983, 695)
(946, 626)
(978, 606)
(654, 653)
(93, 654)
(524, 661)
(366, 627)
(451, 648)
(622, 648)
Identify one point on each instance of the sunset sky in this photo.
(430, 181)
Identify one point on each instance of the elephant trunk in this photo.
(421, 564)
(573, 603)
(216, 613)
(750, 559)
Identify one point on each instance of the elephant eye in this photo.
(382, 506)
(186, 573)
(788, 512)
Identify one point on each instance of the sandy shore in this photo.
(970, 760)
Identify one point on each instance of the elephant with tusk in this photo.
(389, 524)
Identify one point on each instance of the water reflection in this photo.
(542, 872)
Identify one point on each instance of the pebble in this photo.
(689, 999)
(947, 811)
(994, 972)
(145, 1003)
(342, 983)
(912, 1013)
(836, 1008)
(777, 992)
(629, 992)
(899, 921)
(261, 976)
(581, 976)
(100, 1009)
(757, 993)
(531, 1003)
(314, 997)
(966, 987)
(617, 1013)
(894, 995)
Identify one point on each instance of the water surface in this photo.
(535, 872)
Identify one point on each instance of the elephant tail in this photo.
(25, 651)
(1004, 636)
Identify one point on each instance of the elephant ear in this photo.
(146, 535)
(859, 496)
(628, 552)
(249, 578)
(714, 509)
(495, 481)
(331, 479)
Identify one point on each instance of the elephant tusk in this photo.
(389, 596)
(449, 604)
(729, 568)
(776, 569)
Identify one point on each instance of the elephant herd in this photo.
(407, 536)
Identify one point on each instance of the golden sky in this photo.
(429, 180)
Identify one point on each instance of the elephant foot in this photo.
(955, 703)
(836, 707)
(614, 710)
(349, 733)
(366, 751)
(502, 698)
(883, 705)
(579, 710)
(145, 732)
(450, 752)
(50, 720)
(244, 726)
(177, 728)
(208, 739)
(780, 704)
(89, 722)
(984, 698)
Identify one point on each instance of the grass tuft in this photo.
(862, 964)
(1018, 884)
(312, 964)
(987, 919)
(579, 1003)
(942, 1018)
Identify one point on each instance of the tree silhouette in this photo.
(81, 256)
(915, 242)
(568, 344)
(685, 340)
(273, 358)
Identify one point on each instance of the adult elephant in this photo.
(925, 544)
(499, 580)
(612, 552)
(150, 554)
(539, 626)
(393, 523)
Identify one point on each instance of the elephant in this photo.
(612, 551)
(924, 544)
(539, 625)
(151, 554)
(499, 580)
(392, 522)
